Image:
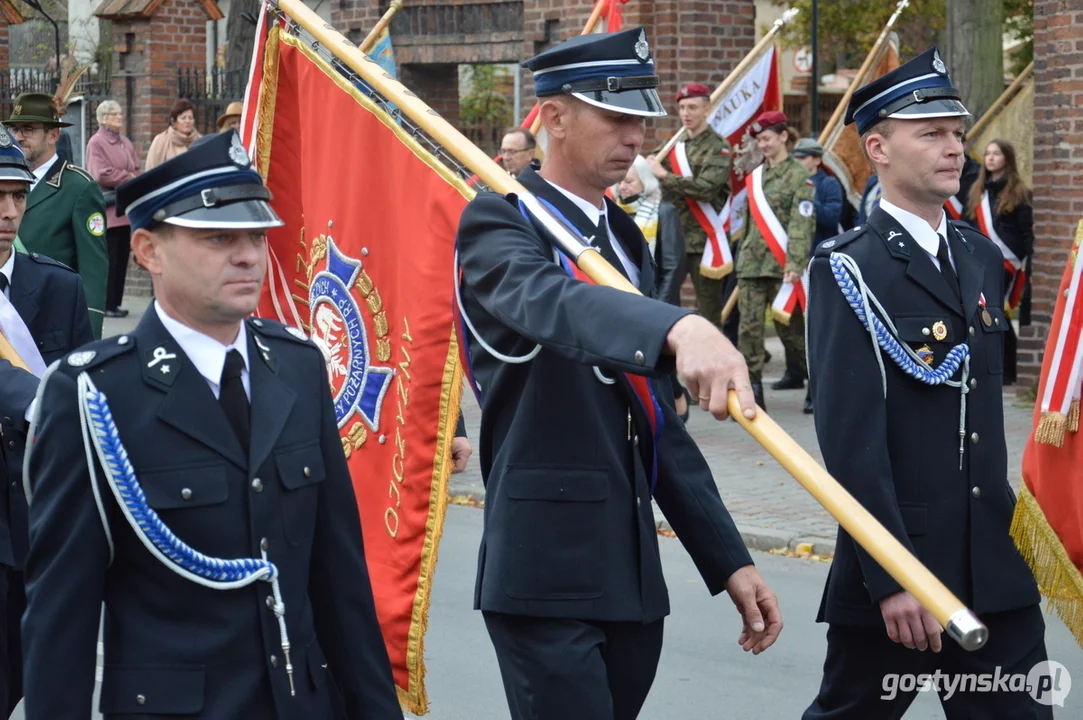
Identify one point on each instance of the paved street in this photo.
(704, 675)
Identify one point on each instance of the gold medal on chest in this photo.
(940, 331)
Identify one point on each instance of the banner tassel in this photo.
(1073, 417)
(1058, 578)
(1051, 429)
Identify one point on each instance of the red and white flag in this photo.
(954, 208)
(790, 295)
(717, 259)
(1012, 263)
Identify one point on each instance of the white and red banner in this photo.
(954, 208)
(758, 91)
(1012, 263)
(717, 259)
(791, 295)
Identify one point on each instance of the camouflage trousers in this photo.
(709, 295)
(753, 302)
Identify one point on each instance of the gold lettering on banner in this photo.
(398, 460)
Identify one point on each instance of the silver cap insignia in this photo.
(938, 64)
(643, 50)
(237, 153)
(82, 358)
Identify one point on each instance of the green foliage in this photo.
(848, 28)
(487, 100)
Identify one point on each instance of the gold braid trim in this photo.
(268, 96)
(1058, 578)
(1073, 417)
(1051, 429)
(716, 273)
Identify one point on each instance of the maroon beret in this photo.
(768, 120)
(692, 90)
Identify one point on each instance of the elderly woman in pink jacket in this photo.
(111, 160)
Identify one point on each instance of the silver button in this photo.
(976, 492)
(639, 357)
(638, 502)
(270, 602)
(974, 438)
(257, 485)
(307, 471)
(263, 544)
(123, 340)
(973, 383)
(140, 700)
(274, 661)
(972, 331)
(186, 493)
(926, 331)
(257, 323)
(996, 321)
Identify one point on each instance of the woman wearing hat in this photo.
(176, 138)
(111, 160)
(231, 118)
(779, 224)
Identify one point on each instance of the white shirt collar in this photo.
(923, 234)
(594, 214)
(206, 353)
(40, 173)
(8, 269)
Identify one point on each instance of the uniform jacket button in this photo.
(270, 602)
(974, 438)
(976, 492)
(972, 333)
(274, 661)
(257, 485)
(186, 493)
(926, 331)
(140, 700)
(263, 544)
(640, 359)
(308, 471)
(973, 383)
(7, 421)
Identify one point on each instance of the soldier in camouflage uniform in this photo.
(789, 193)
(709, 155)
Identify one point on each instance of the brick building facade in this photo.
(1058, 166)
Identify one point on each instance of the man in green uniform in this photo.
(787, 197)
(65, 211)
(709, 159)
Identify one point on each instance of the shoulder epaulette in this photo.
(275, 329)
(824, 249)
(46, 260)
(98, 352)
(79, 171)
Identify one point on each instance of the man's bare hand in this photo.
(907, 622)
(790, 277)
(460, 454)
(656, 167)
(760, 614)
(710, 366)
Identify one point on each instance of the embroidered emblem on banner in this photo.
(337, 325)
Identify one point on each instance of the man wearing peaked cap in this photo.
(706, 179)
(570, 581)
(912, 424)
(244, 591)
(43, 315)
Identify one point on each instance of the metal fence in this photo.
(210, 91)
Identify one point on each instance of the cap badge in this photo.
(938, 64)
(643, 50)
(5, 139)
(237, 153)
(81, 359)
(17, 110)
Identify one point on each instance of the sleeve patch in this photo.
(805, 208)
(96, 224)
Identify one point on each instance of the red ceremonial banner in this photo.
(364, 265)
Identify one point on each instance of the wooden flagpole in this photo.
(383, 22)
(961, 624)
(1004, 99)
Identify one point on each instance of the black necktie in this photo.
(945, 267)
(3, 282)
(605, 247)
(232, 398)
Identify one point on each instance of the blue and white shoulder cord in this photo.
(102, 439)
(861, 300)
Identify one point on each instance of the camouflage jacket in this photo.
(789, 191)
(709, 155)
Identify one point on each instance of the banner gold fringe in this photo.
(1073, 417)
(1058, 579)
(1051, 429)
(716, 273)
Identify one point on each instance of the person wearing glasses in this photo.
(517, 151)
(65, 211)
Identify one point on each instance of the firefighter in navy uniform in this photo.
(912, 423)
(570, 580)
(233, 577)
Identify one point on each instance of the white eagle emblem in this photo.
(643, 50)
(237, 153)
(938, 64)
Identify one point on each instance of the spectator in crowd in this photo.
(999, 192)
(111, 160)
(176, 138)
(640, 195)
(231, 118)
(828, 196)
(518, 151)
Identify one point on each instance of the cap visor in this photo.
(945, 107)
(644, 103)
(244, 215)
(9, 174)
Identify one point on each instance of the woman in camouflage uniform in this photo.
(789, 195)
